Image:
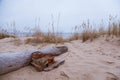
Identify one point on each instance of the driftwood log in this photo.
(13, 61)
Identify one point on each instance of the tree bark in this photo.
(13, 61)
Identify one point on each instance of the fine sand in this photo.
(97, 60)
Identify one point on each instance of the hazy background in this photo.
(65, 14)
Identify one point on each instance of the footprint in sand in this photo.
(63, 76)
(111, 76)
(108, 62)
(87, 77)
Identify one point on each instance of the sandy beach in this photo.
(96, 60)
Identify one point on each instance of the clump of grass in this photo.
(113, 30)
(40, 37)
(109, 31)
(89, 35)
(85, 35)
(32, 40)
(4, 35)
(102, 31)
(119, 29)
(94, 34)
(52, 38)
(88, 32)
(36, 38)
(75, 36)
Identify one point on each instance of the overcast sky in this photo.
(27, 13)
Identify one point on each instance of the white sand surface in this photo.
(97, 60)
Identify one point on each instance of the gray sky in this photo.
(70, 12)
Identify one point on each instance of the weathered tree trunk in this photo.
(13, 61)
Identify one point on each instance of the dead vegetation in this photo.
(4, 35)
(83, 32)
(90, 33)
(86, 34)
(39, 37)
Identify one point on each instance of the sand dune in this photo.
(97, 60)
